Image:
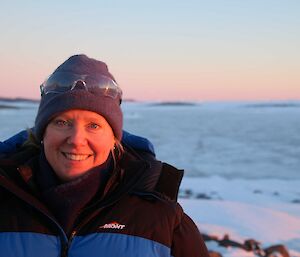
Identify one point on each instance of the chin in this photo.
(67, 176)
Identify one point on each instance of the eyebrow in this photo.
(88, 119)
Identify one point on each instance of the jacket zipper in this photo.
(86, 221)
(65, 248)
(67, 244)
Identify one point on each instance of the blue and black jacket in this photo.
(137, 216)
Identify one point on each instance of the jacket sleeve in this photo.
(187, 240)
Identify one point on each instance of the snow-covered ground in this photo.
(241, 164)
(265, 210)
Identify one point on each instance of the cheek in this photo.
(51, 142)
(104, 146)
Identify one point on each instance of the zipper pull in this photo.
(73, 234)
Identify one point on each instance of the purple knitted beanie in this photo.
(54, 103)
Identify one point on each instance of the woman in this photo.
(79, 191)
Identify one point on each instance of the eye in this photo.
(94, 126)
(61, 123)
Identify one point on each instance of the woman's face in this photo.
(76, 141)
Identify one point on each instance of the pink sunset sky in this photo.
(158, 50)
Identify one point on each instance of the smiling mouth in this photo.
(76, 157)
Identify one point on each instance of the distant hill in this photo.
(18, 99)
(8, 107)
(173, 103)
(274, 105)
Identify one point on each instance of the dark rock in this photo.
(296, 201)
(203, 196)
(188, 192)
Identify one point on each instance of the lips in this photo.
(76, 157)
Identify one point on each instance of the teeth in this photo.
(76, 157)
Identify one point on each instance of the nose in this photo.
(77, 136)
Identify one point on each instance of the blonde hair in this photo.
(117, 151)
(31, 140)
